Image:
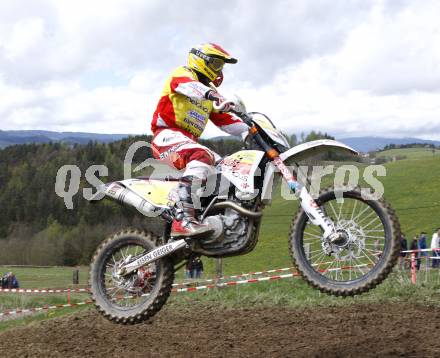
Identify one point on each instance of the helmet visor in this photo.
(216, 64)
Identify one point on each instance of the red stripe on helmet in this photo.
(219, 48)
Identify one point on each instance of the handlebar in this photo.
(244, 116)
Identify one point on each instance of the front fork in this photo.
(311, 208)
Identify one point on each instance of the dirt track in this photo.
(367, 330)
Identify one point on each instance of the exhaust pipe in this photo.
(231, 205)
(126, 196)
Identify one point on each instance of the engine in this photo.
(234, 234)
(227, 227)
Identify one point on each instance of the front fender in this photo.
(299, 153)
(309, 149)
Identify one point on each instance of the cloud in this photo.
(67, 106)
(344, 67)
(394, 52)
(64, 39)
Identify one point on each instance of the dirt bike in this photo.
(342, 248)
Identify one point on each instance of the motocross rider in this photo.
(181, 116)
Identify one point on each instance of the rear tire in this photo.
(162, 277)
(316, 274)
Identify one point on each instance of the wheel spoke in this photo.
(333, 209)
(313, 227)
(364, 210)
(313, 235)
(371, 222)
(365, 255)
(374, 236)
(375, 230)
(360, 222)
(354, 210)
(340, 209)
(319, 260)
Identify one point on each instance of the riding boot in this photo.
(187, 225)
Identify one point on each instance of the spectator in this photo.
(188, 269)
(403, 247)
(423, 246)
(197, 267)
(435, 245)
(13, 282)
(4, 281)
(9, 281)
(415, 246)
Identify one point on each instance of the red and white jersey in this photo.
(183, 107)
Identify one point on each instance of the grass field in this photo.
(10, 301)
(47, 277)
(43, 277)
(410, 153)
(296, 293)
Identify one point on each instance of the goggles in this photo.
(213, 62)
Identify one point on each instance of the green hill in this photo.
(410, 153)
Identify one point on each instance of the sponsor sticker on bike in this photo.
(240, 168)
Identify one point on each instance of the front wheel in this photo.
(359, 262)
(135, 297)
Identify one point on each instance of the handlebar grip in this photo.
(215, 106)
(222, 105)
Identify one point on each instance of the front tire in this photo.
(136, 297)
(363, 261)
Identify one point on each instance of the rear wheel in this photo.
(362, 259)
(135, 297)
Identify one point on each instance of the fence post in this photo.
(75, 277)
(413, 268)
(68, 296)
(218, 267)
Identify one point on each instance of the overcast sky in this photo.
(350, 68)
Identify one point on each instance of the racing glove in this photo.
(219, 100)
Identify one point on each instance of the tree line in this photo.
(410, 145)
(35, 226)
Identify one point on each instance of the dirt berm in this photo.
(354, 331)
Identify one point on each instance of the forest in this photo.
(35, 225)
